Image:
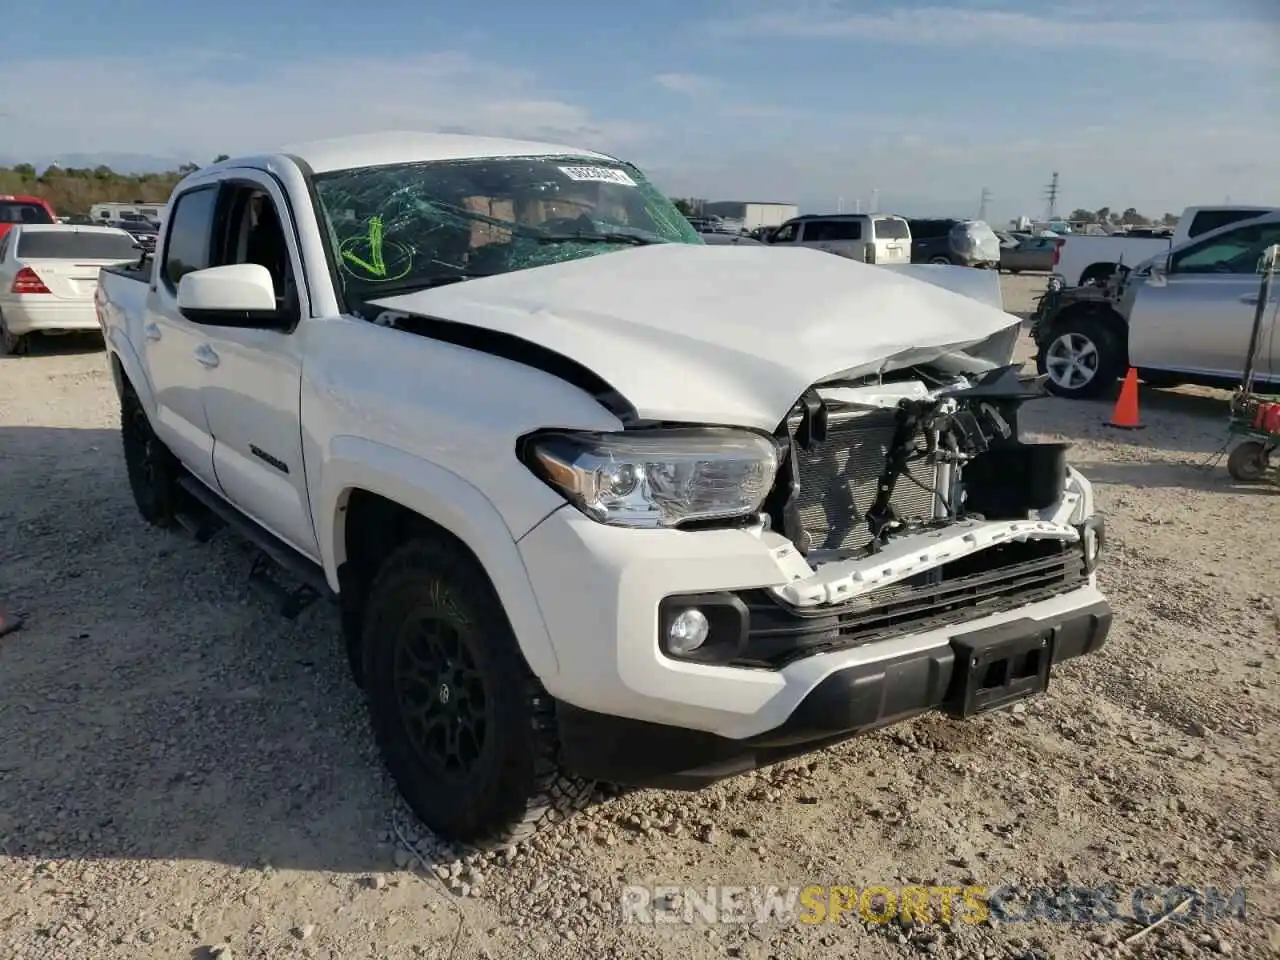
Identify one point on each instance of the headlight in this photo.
(658, 478)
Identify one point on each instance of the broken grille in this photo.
(994, 580)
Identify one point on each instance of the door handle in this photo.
(1251, 298)
(205, 356)
(151, 331)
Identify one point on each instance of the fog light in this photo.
(688, 631)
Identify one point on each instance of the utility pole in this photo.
(875, 202)
(839, 204)
(1051, 194)
(982, 205)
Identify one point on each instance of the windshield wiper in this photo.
(396, 289)
(630, 238)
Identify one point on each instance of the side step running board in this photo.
(290, 602)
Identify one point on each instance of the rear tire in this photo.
(1082, 356)
(152, 469)
(12, 344)
(464, 727)
(940, 261)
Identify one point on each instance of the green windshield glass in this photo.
(403, 226)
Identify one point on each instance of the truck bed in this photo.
(133, 271)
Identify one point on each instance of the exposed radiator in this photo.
(838, 480)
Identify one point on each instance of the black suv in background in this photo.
(964, 243)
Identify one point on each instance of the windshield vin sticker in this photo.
(598, 175)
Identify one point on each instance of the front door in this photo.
(253, 395)
(1199, 318)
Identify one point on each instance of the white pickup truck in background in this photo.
(1084, 259)
(596, 500)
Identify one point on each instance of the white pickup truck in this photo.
(596, 501)
(1084, 259)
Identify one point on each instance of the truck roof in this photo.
(381, 149)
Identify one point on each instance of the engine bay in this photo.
(957, 441)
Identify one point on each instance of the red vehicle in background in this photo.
(15, 209)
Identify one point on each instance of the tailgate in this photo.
(69, 279)
(892, 240)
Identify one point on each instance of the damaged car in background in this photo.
(597, 501)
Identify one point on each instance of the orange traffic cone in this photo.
(1125, 415)
(8, 622)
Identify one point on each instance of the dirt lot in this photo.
(184, 774)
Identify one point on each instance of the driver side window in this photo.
(1237, 251)
(785, 233)
(253, 232)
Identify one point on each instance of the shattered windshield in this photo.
(415, 225)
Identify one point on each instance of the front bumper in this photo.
(603, 593)
(854, 699)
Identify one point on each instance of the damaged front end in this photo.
(912, 507)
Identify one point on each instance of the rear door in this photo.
(172, 344)
(69, 260)
(929, 240)
(892, 239)
(843, 236)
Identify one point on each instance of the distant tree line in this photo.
(1115, 218)
(75, 189)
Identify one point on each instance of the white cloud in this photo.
(690, 84)
(1082, 28)
(200, 104)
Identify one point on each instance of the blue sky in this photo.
(1152, 103)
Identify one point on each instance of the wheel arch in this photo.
(1100, 312)
(127, 372)
(377, 498)
(1102, 268)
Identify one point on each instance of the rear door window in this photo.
(74, 245)
(190, 242)
(825, 231)
(18, 212)
(892, 228)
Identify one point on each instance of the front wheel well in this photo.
(373, 528)
(1101, 270)
(1101, 312)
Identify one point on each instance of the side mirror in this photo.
(237, 295)
(1159, 272)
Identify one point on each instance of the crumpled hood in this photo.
(729, 335)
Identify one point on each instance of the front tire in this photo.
(1082, 357)
(152, 469)
(464, 727)
(940, 261)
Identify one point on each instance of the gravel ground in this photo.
(184, 774)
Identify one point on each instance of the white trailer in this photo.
(751, 214)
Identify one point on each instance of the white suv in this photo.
(869, 237)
